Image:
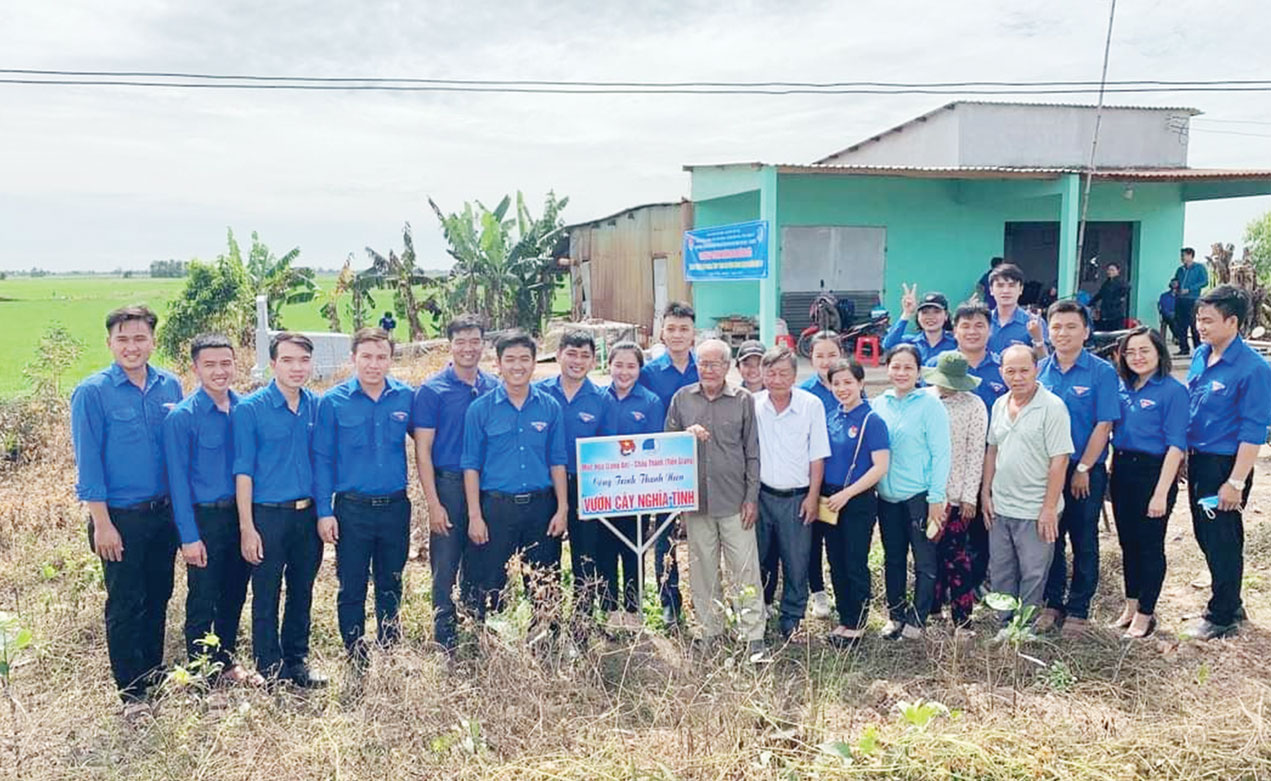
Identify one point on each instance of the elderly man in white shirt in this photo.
(793, 446)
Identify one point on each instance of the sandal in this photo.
(237, 674)
(1151, 627)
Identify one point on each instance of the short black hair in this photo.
(578, 338)
(371, 334)
(1229, 300)
(515, 338)
(969, 309)
(289, 336)
(628, 345)
(387, 313)
(1068, 306)
(900, 349)
(464, 322)
(995, 262)
(825, 336)
(1006, 271)
(1113, 264)
(679, 309)
(1187, 251)
(208, 342)
(1162, 352)
(846, 365)
(126, 313)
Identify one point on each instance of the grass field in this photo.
(80, 303)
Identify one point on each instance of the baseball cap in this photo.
(934, 299)
(750, 347)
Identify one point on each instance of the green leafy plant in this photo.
(55, 353)
(14, 639)
(200, 671)
(1059, 676)
(919, 713)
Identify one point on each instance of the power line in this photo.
(1231, 132)
(635, 84)
(384, 87)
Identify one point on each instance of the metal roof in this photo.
(621, 212)
(1005, 172)
(1191, 112)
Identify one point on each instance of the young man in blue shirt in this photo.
(116, 428)
(440, 405)
(199, 448)
(359, 477)
(1191, 278)
(514, 479)
(586, 411)
(932, 317)
(1009, 324)
(1089, 388)
(1230, 389)
(971, 332)
(664, 375)
(273, 482)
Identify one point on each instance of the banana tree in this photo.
(278, 279)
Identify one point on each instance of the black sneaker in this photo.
(1204, 629)
(301, 676)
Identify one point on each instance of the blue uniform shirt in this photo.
(117, 433)
(1230, 401)
(1191, 278)
(1153, 418)
(898, 334)
(660, 376)
(845, 432)
(1013, 331)
(199, 450)
(1090, 391)
(514, 449)
(591, 413)
(440, 404)
(990, 373)
(822, 391)
(272, 443)
(359, 444)
(639, 412)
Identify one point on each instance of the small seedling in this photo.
(919, 713)
(14, 639)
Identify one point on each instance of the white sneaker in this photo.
(911, 632)
(892, 629)
(820, 603)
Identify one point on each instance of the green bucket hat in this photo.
(951, 371)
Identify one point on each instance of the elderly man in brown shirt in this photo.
(722, 417)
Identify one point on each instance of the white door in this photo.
(843, 257)
(659, 295)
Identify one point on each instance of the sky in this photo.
(98, 178)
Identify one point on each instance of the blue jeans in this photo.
(1079, 524)
(781, 528)
(374, 542)
(445, 553)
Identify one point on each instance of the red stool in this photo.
(787, 340)
(868, 357)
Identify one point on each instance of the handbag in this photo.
(824, 513)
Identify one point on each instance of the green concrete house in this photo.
(932, 200)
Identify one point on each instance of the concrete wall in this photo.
(941, 233)
(931, 142)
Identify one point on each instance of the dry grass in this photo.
(635, 708)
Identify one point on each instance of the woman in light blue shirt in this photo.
(911, 495)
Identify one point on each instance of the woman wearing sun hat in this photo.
(951, 380)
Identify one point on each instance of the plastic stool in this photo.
(787, 340)
(868, 357)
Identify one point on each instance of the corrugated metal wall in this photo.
(619, 253)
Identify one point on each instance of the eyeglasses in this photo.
(712, 365)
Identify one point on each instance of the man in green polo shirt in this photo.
(1024, 473)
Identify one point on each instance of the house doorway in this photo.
(1034, 247)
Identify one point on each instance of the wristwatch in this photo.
(1236, 484)
(1082, 468)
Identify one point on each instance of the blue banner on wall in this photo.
(736, 251)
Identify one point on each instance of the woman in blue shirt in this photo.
(1148, 443)
(858, 460)
(640, 411)
(911, 496)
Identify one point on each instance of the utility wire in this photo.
(1094, 147)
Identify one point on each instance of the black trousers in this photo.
(847, 547)
(138, 588)
(903, 528)
(1133, 481)
(584, 556)
(1185, 323)
(374, 543)
(612, 552)
(515, 527)
(215, 594)
(445, 553)
(816, 561)
(1221, 539)
(293, 552)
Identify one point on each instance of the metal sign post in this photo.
(640, 546)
